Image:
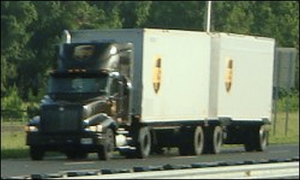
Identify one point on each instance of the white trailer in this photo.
(194, 90)
(241, 87)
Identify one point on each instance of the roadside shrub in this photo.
(288, 101)
(12, 105)
(33, 105)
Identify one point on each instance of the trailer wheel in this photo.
(213, 140)
(217, 140)
(262, 144)
(36, 153)
(106, 150)
(257, 140)
(143, 147)
(192, 141)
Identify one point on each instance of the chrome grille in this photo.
(55, 118)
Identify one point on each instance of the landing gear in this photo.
(191, 141)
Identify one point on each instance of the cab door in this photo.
(119, 99)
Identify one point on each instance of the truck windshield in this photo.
(74, 85)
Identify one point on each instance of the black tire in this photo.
(257, 139)
(218, 140)
(144, 143)
(106, 150)
(262, 144)
(213, 140)
(36, 153)
(191, 141)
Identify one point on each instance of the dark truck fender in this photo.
(101, 119)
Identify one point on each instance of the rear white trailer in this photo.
(244, 76)
(194, 90)
(241, 87)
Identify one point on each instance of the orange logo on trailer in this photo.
(156, 73)
(228, 74)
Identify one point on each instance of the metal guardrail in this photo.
(261, 171)
(267, 169)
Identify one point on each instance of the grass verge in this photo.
(280, 134)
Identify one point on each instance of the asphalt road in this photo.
(26, 167)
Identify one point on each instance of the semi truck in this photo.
(138, 91)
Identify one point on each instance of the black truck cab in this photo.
(87, 100)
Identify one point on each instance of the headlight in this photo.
(29, 128)
(95, 128)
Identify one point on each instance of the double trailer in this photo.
(192, 90)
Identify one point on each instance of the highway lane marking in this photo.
(78, 163)
(184, 157)
(279, 151)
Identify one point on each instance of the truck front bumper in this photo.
(87, 141)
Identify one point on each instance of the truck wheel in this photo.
(192, 141)
(36, 153)
(213, 140)
(143, 146)
(218, 140)
(262, 144)
(257, 140)
(106, 150)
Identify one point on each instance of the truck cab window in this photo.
(114, 88)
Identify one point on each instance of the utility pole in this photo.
(208, 16)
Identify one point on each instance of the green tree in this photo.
(7, 72)
(232, 16)
(16, 16)
(125, 14)
(286, 22)
(188, 15)
(12, 104)
(111, 11)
